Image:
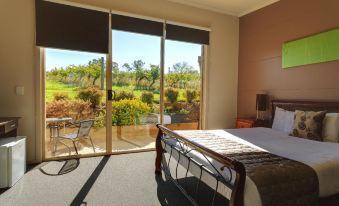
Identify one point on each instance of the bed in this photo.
(304, 163)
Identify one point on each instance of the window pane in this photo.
(136, 83)
(182, 85)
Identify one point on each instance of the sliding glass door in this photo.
(75, 95)
(183, 85)
(113, 78)
(76, 89)
(136, 90)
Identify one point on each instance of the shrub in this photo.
(156, 101)
(60, 96)
(176, 107)
(183, 111)
(100, 118)
(128, 112)
(147, 97)
(124, 95)
(194, 114)
(91, 94)
(191, 95)
(76, 109)
(171, 95)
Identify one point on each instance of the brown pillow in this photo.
(308, 124)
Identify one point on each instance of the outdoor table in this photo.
(54, 126)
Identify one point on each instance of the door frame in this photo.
(109, 59)
(41, 114)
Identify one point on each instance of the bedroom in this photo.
(244, 59)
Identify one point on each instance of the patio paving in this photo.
(124, 139)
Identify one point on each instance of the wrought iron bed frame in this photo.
(235, 183)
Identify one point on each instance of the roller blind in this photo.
(137, 25)
(68, 27)
(180, 33)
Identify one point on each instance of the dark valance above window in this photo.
(132, 24)
(68, 27)
(180, 33)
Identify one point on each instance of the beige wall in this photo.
(262, 34)
(17, 66)
(17, 58)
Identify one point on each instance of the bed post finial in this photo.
(237, 197)
(159, 151)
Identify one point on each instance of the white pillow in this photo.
(331, 127)
(289, 121)
(283, 120)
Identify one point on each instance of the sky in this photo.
(128, 47)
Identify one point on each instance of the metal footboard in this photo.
(184, 149)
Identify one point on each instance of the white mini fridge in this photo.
(12, 160)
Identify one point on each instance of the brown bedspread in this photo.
(280, 181)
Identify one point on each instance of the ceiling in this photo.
(231, 7)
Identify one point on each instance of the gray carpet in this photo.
(112, 180)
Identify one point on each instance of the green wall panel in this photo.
(322, 47)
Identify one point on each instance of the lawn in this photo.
(53, 87)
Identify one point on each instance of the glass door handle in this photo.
(110, 95)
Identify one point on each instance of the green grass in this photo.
(53, 87)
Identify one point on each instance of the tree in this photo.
(115, 71)
(115, 67)
(172, 79)
(153, 75)
(81, 70)
(94, 70)
(138, 69)
(122, 78)
(140, 74)
(127, 67)
(76, 73)
(63, 74)
(138, 64)
(182, 67)
(181, 75)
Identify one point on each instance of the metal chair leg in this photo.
(55, 141)
(69, 149)
(92, 143)
(75, 148)
(50, 134)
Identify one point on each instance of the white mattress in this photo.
(323, 157)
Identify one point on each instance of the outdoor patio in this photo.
(124, 139)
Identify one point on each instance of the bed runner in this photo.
(280, 181)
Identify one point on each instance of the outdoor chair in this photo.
(84, 127)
